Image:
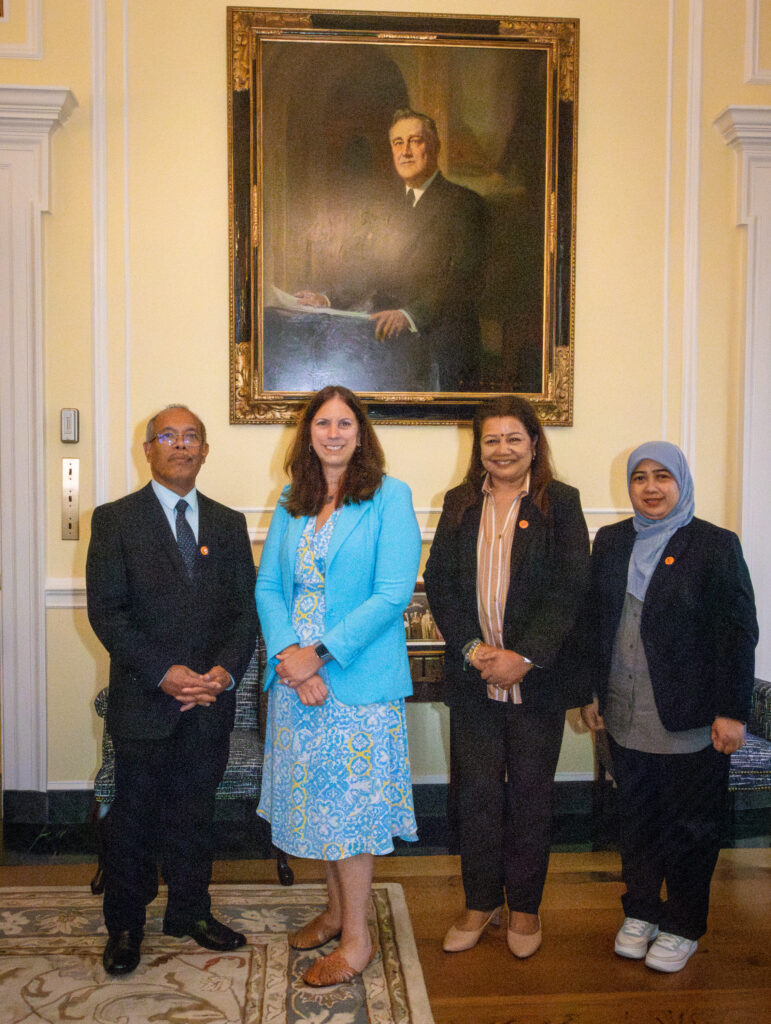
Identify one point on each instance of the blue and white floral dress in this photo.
(336, 780)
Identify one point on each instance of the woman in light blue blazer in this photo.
(337, 570)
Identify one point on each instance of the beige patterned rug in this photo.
(51, 942)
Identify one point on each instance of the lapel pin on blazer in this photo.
(523, 524)
(669, 560)
(204, 550)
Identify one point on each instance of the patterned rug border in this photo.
(397, 971)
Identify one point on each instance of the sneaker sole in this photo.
(669, 968)
(631, 954)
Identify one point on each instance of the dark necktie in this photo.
(410, 198)
(185, 537)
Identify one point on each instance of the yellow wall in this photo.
(168, 302)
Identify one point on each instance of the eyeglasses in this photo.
(171, 440)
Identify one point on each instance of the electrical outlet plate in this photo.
(70, 499)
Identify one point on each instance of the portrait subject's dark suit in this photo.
(504, 755)
(150, 615)
(430, 261)
(438, 277)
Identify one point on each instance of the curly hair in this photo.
(364, 472)
(541, 471)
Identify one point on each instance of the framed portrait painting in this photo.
(402, 211)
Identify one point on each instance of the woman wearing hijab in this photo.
(673, 634)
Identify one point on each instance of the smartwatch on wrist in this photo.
(322, 653)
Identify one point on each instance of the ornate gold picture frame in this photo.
(424, 305)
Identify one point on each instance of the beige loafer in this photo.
(458, 939)
(523, 946)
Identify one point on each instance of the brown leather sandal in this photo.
(333, 970)
(311, 936)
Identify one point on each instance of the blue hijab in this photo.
(653, 534)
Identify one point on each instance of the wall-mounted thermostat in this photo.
(70, 426)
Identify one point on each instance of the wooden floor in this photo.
(575, 978)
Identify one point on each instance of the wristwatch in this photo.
(323, 653)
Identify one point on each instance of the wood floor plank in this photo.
(575, 978)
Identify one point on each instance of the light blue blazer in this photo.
(372, 566)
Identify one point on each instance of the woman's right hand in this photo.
(313, 692)
(500, 667)
(590, 714)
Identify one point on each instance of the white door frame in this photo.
(28, 117)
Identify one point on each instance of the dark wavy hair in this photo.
(541, 471)
(363, 474)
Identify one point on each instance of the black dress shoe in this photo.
(211, 934)
(121, 954)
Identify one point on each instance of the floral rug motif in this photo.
(51, 943)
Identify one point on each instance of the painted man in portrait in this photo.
(415, 261)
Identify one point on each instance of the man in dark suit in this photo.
(420, 263)
(170, 581)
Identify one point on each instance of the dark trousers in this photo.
(503, 760)
(164, 807)
(671, 809)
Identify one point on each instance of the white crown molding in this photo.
(747, 130)
(754, 74)
(32, 47)
(28, 117)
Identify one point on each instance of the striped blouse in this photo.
(494, 543)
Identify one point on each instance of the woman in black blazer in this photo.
(506, 575)
(672, 633)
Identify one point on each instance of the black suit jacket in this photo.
(150, 615)
(548, 579)
(698, 626)
(429, 260)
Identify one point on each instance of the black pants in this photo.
(503, 760)
(164, 806)
(671, 810)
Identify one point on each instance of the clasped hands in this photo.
(298, 669)
(727, 733)
(502, 668)
(191, 688)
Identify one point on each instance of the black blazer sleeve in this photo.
(736, 633)
(144, 654)
(450, 591)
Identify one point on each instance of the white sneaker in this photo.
(634, 937)
(670, 953)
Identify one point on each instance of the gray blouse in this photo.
(631, 716)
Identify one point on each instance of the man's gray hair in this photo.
(429, 124)
(150, 431)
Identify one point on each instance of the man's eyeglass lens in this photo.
(188, 440)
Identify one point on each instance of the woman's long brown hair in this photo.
(363, 474)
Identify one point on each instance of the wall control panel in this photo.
(70, 426)
(70, 498)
